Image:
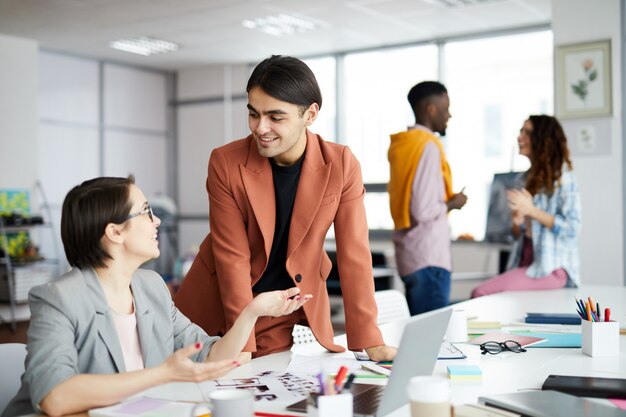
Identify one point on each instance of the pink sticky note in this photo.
(619, 403)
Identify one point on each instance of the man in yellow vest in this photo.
(420, 194)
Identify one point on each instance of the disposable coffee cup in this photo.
(429, 396)
(457, 327)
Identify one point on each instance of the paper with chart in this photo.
(277, 388)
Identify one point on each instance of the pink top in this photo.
(126, 326)
(427, 241)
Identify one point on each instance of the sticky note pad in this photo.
(465, 372)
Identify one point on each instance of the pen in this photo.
(582, 306)
(591, 304)
(598, 311)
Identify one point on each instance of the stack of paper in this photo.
(465, 373)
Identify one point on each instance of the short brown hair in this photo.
(87, 209)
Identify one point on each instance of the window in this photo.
(325, 73)
(494, 84)
(376, 85)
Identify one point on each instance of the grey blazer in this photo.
(72, 332)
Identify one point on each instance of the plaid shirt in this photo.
(556, 247)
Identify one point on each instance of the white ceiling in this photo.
(210, 31)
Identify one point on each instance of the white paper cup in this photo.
(429, 396)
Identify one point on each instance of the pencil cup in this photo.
(339, 405)
(600, 338)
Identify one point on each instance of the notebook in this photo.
(421, 339)
(550, 404)
(586, 386)
(552, 318)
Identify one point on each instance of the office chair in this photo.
(302, 335)
(392, 306)
(13, 355)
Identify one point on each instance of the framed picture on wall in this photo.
(583, 80)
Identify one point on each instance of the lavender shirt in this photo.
(427, 241)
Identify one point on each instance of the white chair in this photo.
(13, 355)
(302, 335)
(392, 306)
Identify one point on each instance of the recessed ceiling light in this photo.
(459, 3)
(144, 45)
(283, 24)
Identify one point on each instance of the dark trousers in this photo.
(427, 289)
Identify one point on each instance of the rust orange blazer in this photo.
(242, 213)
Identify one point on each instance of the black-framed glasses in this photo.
(147, 210)
(497, 347)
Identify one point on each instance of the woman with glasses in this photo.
(546, 215)
(106, 329)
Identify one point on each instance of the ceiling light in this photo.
(459, 3)
(283, 24)
(144, 45)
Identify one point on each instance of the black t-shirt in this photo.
(286, 180)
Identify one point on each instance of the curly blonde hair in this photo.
(549, 154)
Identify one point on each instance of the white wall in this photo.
(18, 112)
(211, 111)
(599, 176)
(99, 118)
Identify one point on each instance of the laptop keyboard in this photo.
(366, 403)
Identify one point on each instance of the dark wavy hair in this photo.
(87, 209)
(287, 79)
(549, 154)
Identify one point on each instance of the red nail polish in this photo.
(198, 345)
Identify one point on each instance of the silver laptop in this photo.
(417, 354)
(551, 404)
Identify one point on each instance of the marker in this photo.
(348, 383)
(341, 374)
(320, 379)
(607, 314)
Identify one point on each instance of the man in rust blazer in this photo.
(273, 197)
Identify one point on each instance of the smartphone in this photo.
(361, 356)
(586, 386)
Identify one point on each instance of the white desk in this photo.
(505, 372)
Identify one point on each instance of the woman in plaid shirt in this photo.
(546, 215)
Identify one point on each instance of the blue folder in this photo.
(556, 340)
